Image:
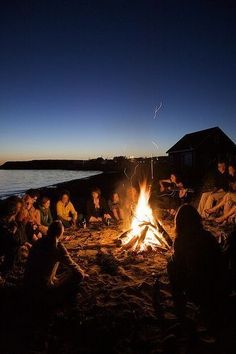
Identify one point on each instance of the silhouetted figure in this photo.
(42, 278)
(196, 270)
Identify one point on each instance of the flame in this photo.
(144, 232)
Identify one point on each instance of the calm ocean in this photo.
(18, 181)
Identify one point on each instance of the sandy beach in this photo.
(125, 306)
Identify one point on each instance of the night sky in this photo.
(81, 79)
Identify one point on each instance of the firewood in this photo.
(124, 234)
(164, 233)
(131, 243)
(141, 238)
(161, 241)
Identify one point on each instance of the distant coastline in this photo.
(117, 164)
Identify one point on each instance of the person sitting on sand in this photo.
(45, 214)
(13, 237)
(173, 193)
(28, 212)
(30, 216)
(219, 189)
(196, 270)
(115, 205)
(66, 211)
(97, 210)
(228, 204)
(41, 273)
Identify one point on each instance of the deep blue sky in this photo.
(80, 79)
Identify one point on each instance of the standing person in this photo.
(41, 273)
(196, 270)
(116, 207)
(97, 210)
(221, 186)
(45, 214)
(66, 211)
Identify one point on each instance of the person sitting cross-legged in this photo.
(216, 192)
(13, 238)
(45, 214)
(97, 209)
(66, 211)
(228, 204)
(45, 257)
(116, 207)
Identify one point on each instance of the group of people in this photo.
(217, 202)
(200, 270)
(29, 229)
(27, 221)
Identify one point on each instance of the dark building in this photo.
(200, 150)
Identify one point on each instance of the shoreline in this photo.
(48, 186)
(80, 189)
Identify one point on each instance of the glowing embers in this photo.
(145, 232)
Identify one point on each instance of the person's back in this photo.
(44, 259)
(41, 261)
(200, 261)
(197, 271)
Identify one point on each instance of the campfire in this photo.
(145, 233)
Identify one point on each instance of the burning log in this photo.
(145, 233)
(164, 233)
(141, 238)
(164, 239)
(124, 234)
(131, 243)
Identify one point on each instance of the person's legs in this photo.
(66, 223)
(230, 201)
(218, 196)
(219, 205)
(212, 198)
(202, 203)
